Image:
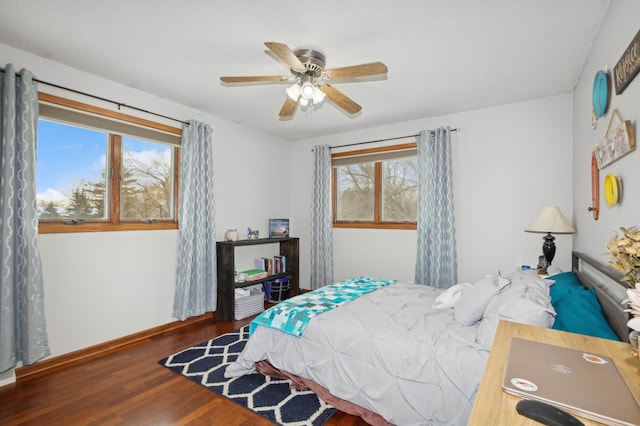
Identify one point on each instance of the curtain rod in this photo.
(119, 104)
(382, 140)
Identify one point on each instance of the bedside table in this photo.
(493, 406)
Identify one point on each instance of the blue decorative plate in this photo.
(600, 94)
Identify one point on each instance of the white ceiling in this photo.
(444, 56)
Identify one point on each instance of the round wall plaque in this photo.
(601, 93)
(612, 190)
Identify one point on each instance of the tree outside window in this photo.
(102, 179)
(376, 188)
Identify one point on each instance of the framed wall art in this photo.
(628, 66)
(618, 141)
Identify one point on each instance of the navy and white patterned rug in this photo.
(271, 398)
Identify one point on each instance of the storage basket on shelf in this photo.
(279, 289)
(248, 301)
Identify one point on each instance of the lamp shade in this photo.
(551, 219)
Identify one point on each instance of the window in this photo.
(376, 188)
(98, 172)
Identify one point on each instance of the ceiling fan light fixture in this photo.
(306, 93)
(293, 91)
(318, 95)
(309, 78)
(307, 90)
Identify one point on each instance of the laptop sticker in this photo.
(593, 358)
(524, 384)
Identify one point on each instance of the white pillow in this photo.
(474, 300)
(450, 296)
(540, 293)
(524, 304)
(524, 311)
(502, 282)
(526, 278)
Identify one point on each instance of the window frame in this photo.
(377, 223)
(114, 154)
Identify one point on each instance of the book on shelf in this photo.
(272, 265)
(254, 274)
(265, 263)
(279, 264)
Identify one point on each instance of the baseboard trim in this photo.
(8, 377)
(67, 360)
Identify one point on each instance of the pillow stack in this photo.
(526, 300)
(475, 299)
(523, 297)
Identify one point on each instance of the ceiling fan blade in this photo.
(283, 52)
(252, 78)
(340, 99)
(374, 68)
(288, 108)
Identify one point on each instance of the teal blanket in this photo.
(292, 315)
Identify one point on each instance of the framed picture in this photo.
(618, 142)
(278, 228)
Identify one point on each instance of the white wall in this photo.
(105, 285)
(508, 162)
(617, 31)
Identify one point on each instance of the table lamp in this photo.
(550, 219)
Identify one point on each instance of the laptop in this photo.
(583, 384)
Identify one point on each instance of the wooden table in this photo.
(493, 406)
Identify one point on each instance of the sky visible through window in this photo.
(69, 155)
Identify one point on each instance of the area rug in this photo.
(271, 398)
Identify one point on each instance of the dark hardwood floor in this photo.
(129, 387)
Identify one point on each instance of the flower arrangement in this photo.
(625, 256)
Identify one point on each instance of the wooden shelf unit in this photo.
(225, 254)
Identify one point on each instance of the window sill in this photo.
(61, 228)
(371, 225)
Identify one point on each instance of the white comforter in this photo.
(387, 351)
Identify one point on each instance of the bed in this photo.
(410, 354)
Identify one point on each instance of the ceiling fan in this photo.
(310, 79)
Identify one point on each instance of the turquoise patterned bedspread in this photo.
(292, 315)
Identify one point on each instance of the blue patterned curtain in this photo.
(23, 332)
(436, 263)
(196, 269)
(321, 222)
